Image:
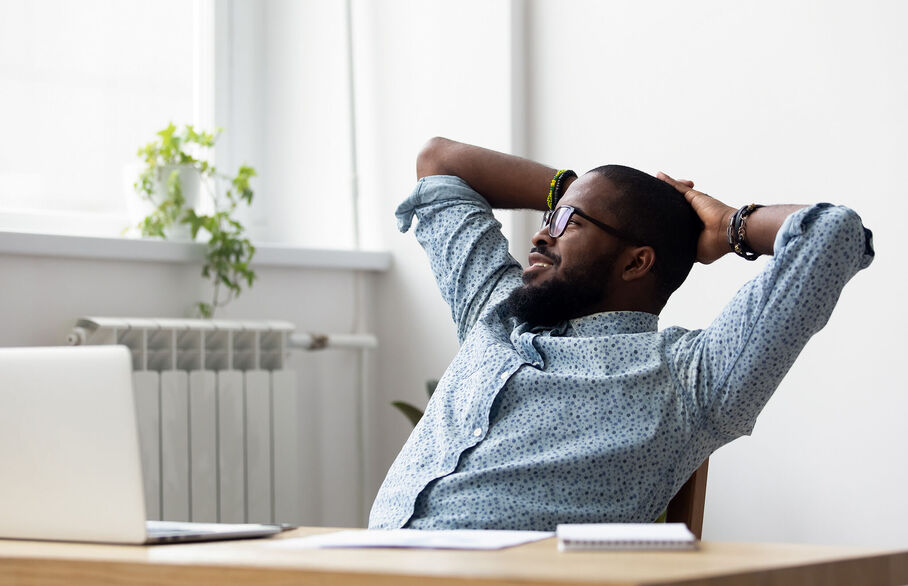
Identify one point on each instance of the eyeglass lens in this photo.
(557, 220)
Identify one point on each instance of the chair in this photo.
(688, 504)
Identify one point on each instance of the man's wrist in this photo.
(558, 185)
(736, 232)
(723, 245)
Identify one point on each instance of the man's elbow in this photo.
(431, 158)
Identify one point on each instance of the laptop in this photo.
(69, 452)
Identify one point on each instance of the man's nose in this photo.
(542, 238)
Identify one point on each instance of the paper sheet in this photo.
(413, 538)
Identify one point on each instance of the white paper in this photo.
(413, 538)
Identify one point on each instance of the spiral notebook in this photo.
(625, 536)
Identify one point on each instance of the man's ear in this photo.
(637, 261)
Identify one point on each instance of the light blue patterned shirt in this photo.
(604, 417)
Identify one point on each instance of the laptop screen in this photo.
(69, 446)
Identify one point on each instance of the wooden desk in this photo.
(246, 562)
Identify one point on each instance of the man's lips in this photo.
(539, 261)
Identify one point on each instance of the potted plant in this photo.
(175, 165)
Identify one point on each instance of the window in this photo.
(82, 85)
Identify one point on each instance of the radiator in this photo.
(217, 413)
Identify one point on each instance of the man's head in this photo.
(630, 243)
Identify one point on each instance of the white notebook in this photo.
(625, 536)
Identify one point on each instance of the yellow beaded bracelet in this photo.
(555, 186)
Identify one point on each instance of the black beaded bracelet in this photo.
(555, 188)
(736, 232)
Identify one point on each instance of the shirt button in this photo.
(477, 432)
(504, 376)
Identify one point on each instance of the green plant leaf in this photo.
(195, 222)
(204, 310)
(228, 252)
(410, 412)
(431, 385)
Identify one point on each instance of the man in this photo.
(565, 403)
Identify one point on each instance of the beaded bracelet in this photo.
(737, 226)
(555, 186)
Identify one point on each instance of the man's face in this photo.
(571, 275)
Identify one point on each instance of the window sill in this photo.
(148, 250)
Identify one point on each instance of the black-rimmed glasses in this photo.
(557, 220)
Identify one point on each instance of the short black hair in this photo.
(657, 215)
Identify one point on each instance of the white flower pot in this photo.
(138, 207)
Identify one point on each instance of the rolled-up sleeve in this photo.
(467, 252)
(731, 369)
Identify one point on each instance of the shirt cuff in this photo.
(793, 226)
(433, 189)
(798, 222)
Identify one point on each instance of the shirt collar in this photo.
(615, 322)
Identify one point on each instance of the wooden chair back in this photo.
(687, 506)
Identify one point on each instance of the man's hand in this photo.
(713, 242)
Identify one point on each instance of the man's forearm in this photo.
(506, 181)
(761, 230)
(764, 224)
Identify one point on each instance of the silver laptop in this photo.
(69, 452)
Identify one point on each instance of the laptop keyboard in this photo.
(186, 531)
(168, 532)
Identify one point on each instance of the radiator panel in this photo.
(231, 447)
(288, 474)
(258, 447)
(175, 445)
(203, 452)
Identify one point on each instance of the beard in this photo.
(571, 295)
